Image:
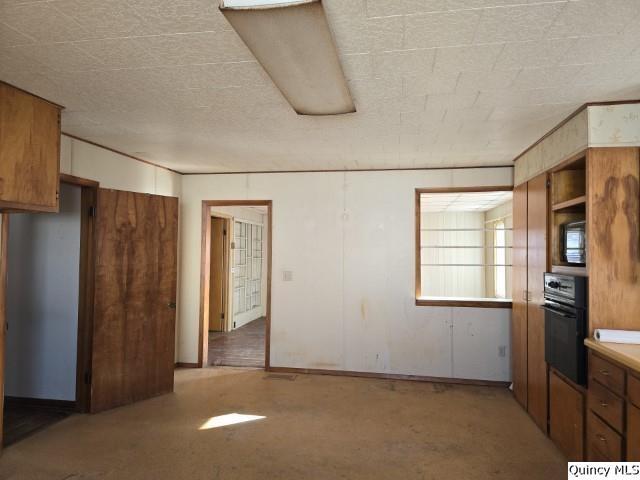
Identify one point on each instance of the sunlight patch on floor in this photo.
(228, 419)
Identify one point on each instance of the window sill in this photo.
(463, 302)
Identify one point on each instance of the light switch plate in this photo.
(287, 276)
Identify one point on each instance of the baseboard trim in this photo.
(391, 376)
(69, 405)
(186, 365)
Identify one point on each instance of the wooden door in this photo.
(219, 277)
(537, 220)
(613, 223)
(519, 288)
(566, 418)
(135, 294)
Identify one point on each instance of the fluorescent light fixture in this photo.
(228, 419)
(293, 43)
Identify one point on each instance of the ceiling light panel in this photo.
(293, 42)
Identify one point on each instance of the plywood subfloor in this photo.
(316, 427)
(242, 347)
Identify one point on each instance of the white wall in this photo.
(349, 240)
(42, 301)
(115, 171)
(453, 281)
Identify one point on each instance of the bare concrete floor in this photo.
(316, 427)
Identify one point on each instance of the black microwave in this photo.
(574, 242)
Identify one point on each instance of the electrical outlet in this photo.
(502, 351)
(287, 276)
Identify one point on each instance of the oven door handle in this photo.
(558, 312)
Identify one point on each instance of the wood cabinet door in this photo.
(633, 433)
(537, 227)
(519, 288)
(566, 418)
(29, 151)
(135, 294)
(613, 176)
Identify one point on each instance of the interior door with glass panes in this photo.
(247, 271)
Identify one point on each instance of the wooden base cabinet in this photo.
(566, 417)
(29, 152)
(633, 433)
(613, 419)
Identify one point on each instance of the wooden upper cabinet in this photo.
(613, 217)
(29, 151)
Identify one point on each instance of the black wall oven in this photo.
(566, 325)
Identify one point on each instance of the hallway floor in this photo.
(242, 347)
(315, 427)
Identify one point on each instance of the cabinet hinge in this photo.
(87, 378)
(224, 232)
(548, 183)
(92, 211)
(222, 315)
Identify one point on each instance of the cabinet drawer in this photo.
(606, 404)
(633, 389)
(602, 441)
(607, 374)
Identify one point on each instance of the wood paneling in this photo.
(218, 276)
(29, 151)
(603, 442)
(566, 418)
(633, 433)
(613, 221)
(135, 295)
(537, 226)
(4, 241)
(519, 289)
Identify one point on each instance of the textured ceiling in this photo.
(463, 202)
(436, 82)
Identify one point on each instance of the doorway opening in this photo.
(235, 301)
(49, 301)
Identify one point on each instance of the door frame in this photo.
(89, 199)
(205, 269)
